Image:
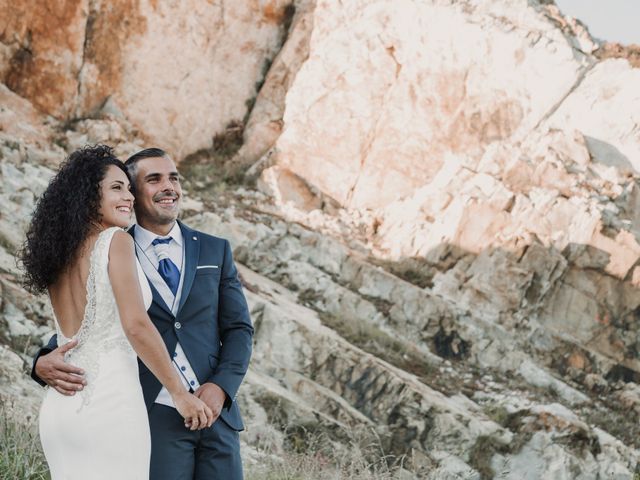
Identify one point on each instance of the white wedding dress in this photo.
(101, 432)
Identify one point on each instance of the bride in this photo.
(77, 251)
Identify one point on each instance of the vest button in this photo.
(177, 325)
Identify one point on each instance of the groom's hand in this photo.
(53, 370)
(213, 396)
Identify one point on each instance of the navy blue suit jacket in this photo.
(212, 322)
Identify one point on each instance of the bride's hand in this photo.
(195, 412)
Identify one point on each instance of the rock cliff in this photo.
(435, 205)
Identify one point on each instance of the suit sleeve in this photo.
(48, 348)
(236, 331)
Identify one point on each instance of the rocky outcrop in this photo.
(415, 86)
(41, 45)
(179, 72)
(611, 140)
(372, 307)
(441, 249)
(617, 50)
(265, 121)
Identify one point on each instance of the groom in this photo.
(200, 310)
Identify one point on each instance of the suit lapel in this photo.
(191, 256)
(157, 298)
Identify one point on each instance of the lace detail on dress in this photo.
(101, 330)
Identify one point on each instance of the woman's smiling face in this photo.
(116, 199)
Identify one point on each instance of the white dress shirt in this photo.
(149, 261)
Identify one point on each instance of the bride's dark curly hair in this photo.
(64, 215)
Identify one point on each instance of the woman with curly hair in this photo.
(77, 251)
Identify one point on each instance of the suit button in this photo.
(177, 325)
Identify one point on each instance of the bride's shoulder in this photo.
(121, 242)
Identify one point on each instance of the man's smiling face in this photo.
(158, 193)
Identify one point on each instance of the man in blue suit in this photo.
(200, 311)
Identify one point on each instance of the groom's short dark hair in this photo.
(136, 157)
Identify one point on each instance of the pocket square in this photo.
(199, 267)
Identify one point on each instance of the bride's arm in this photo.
(142, 334)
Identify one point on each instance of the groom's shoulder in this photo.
(206, 237)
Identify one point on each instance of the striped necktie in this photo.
(166, 268)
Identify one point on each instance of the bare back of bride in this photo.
(77, 251)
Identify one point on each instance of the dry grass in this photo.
(20, 454)
(312, 457)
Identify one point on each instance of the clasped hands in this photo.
(213, 397)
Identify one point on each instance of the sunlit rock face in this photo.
(178, 71)
(605, 108)
(389, 89)
(264, 125)
(41, 51)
